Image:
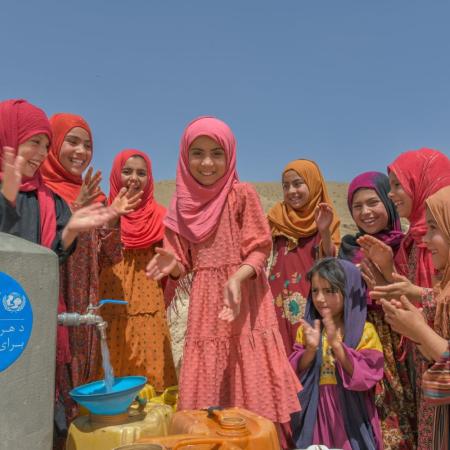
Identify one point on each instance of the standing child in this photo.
(304, 227)
(216, 231)
(433, 341)
(69, 156)
(30, 210)
(339, 359)
(375, 215)
(138, 334)
(413, 177)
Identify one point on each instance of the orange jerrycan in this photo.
(213, 429)
(107, 432)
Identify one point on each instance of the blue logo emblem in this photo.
(16, 320)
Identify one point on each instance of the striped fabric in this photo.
(436, 381)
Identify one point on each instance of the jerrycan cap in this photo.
(231, 424)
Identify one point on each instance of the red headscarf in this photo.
(19, 121)
(55, 175)
(144, 226)
(421, 173)
(195, 209)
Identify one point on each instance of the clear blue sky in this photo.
(349, 84)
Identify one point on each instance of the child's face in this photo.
(402, 201)
(436, 243)
(76, 151)
(207, 160)
(326, 299)
(134, 174)
(34, 151)
(369, 212)
(295, 190)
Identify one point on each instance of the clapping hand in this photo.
(90, 189)
(161, 265)
(12, 174)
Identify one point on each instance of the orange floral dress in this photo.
(242, 363)
(138, 334)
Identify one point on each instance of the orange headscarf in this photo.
(56, 177)
(439, 206)
(301, 224)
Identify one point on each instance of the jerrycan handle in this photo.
(204, 441)
(115, 302)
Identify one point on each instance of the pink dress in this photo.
(242, 363)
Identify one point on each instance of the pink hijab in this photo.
(195, 209)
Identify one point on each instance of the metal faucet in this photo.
(90, 317)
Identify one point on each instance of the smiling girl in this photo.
(375, 215)
(304, 227)
(69, 157)
(138, 335)
(29, 209)
(433, 341)
(413, 177)
(216, 231)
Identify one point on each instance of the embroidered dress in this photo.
(289, 284)
(296, 245)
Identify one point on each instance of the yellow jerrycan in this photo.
(214, 429)
(107, 432)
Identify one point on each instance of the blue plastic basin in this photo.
(93, 396)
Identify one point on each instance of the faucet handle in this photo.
(108, 300)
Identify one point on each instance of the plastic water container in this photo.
(108, 432)
(227, 429)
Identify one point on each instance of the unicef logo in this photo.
(14, 302)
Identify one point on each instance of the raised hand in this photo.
(89, 188)
(323, 215)
(371, 274)
(312, 334)
(84, 219)
(403, 317)
(89, 217)
(333, 336)
(162, 264)
(12, 174)
(401, 286)
(231, 300)
(379, 253)
(126, 202)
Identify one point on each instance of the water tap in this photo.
(90, 317)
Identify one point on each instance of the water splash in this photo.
(106, 364)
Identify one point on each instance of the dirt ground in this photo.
(269, 193)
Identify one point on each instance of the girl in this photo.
(138, 335)
(375, 215)
(216, 231)
(434, 341)
(339, 359)
(30, 210)
(304, 227)
(413, 177)
(69, 156)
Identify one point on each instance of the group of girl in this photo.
(343, 343)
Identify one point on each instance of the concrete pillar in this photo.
(27, 385)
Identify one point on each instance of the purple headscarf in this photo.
(356, 419)
(392, 235)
